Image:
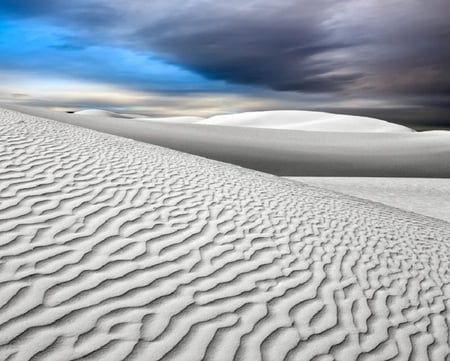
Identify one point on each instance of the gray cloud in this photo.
(322, 46)
(350, 48)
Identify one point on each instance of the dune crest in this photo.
(97, 113)
(427, 196)
(278, 119)
(112, 249)
(180, 119)
(102, 113)
(307, 121)
(282, 151)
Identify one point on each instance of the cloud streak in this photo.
(347, 49)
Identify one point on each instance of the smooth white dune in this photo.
(180, 119)
(306, 120)
(108, 114)
(103, 113)
(280, 119)
(112, 249)
(430, 197)
(286, 152)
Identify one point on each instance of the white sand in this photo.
(112, 249)
(287, 152)
(306, 120)
(430, 197)
(98, 113)
(182, 120)
(281, 119)
(103, 113)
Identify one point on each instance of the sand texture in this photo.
(276, 119)
(286, 152)
(112, 249)
(427, 196)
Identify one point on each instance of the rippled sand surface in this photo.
(111, 249)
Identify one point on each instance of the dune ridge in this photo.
(285, 152)
(112, 249)
(427, 196)
(279, 119)
(306, 121)
(180, 119)
(99, 113)
(103, 113)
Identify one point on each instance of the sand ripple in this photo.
(111, 249)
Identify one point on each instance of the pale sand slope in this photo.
(182, 120)
(430, 197)
(287, 152)
(112, 249)
(107, 114)
(306, 120)
(103, 113)
(281, 119)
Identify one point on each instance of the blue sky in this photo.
(39, 47)
(205, 57)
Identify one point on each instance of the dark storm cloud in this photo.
(395, 47)
(257, 49)
(78, 12)
(350, 48)
(27, 7)
(320, 46)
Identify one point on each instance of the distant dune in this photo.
(112, 249)
(430, 197)
(98, 113)
(182, 120)
(280, 119)
(102, 113)
(286, 152)
(306, 120)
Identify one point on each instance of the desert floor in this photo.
(115, 249)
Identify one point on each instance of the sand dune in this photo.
(182, 120)
(281, 119)
(103, 113)
(287, 152)
(97, 113)
(306, 120)
(430, 197)
(112, 249)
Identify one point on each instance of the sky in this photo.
(384, 58)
